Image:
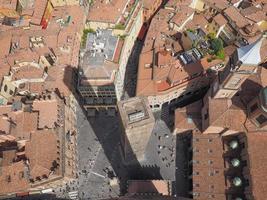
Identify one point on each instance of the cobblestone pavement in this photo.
(160, 151)
(99, 160)
(98, 156)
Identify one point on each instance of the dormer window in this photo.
(261, 119)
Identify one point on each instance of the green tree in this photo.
(216, 45)
(84, 36)
(220, 54)
(119, 27)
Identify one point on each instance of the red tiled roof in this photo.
(117, 54)
(41, 155)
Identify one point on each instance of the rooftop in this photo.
(47, 118)
(101, 53)
(11, 178)
(255, 53)
(235, 16)
(180, 17)
(102, 45)
(149, 187)
(41, 156)
(257, 162)
(215, 164)
(111, 11)
(135, 112)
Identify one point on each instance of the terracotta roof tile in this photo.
(117, 54)
(5, 40)
(208, 168)
(48, 111)
(153, 186)
(182, 15)
(220, 20)
(188, 117)
(41, 155)
(234, 15)
(23, 124)
(222, 111)
(111, 11)
(253, 13)
(257, 163)
(11, 179)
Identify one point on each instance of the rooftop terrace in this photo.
(135, 111)
(97, 60)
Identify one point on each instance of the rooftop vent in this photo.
(235, 162)
(237, 181)
(233, 144)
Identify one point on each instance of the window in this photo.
(5, 88)
(210, 162)
(211, 173)
(195, 173)
(21, 175)
(261, 119)
(253, 107)
(211, 186)
(195, 161)
(247, 182)
(195, 194)
(8, 178)
(212, 195)
(22, 85)
(195, 150)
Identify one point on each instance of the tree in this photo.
(220, 54)
(85, 34)
(216, 45)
